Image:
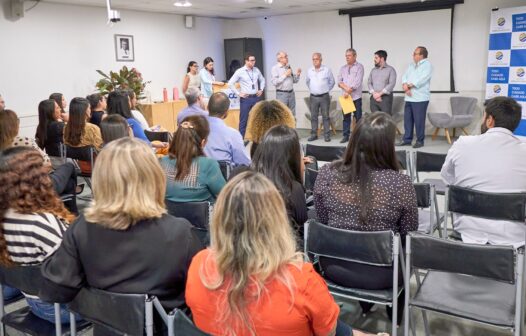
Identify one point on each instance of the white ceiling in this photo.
(234, 9)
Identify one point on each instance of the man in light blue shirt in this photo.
(252, 84)
(415, 83)
(319, 81)
(196, 105)
(224, 143)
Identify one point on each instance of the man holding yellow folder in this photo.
(350, 80)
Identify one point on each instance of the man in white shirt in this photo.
(283, 79)
(494, 161)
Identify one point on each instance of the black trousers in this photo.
(65, 183)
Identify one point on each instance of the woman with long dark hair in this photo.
(279, 158)
(366, 192)
(62, 103)
(78, 131)
(208, 78)
(32, 217)
(191, 176)
(114, 127)
(192, 77)
(50, 129)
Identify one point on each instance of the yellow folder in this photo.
(347, 105)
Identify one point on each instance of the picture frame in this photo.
(124, 48)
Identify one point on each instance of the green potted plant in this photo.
(124, 79)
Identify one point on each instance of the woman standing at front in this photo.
(192, 77)
(208, 78)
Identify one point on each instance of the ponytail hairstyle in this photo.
(187, 143)
(190, 65)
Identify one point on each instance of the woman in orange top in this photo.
(251, 281)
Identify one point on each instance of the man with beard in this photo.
(381, 83)
(492, 162)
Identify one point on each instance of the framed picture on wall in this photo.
(124, 48)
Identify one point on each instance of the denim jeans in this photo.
(342, 329)
(347, 118)
(46, 311)
(245, 105)
(415, 116)
(10, 292)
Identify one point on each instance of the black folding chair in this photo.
(197, 213)
(325, 153)
(429, 217)
(163, 136)
(430, 162)
(404, 159)
(28, 279)
(86, 154)
(226, 168)
(182, 325)
(324, 244)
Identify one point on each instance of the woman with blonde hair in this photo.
(263, 116)
(251, 281)
(32, 217)
(121, 243)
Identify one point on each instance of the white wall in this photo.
(57, 48)
(329, 33)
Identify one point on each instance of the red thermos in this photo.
(165, 95)
(176, 94)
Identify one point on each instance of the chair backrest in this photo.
(423, 194)
(398, 108)
(445, 255)
(462, 105)
(226, 168)
(325, 153)
(363, 247)
(183, 326)
(28, 279)
(157, 136)
(197, 213)
(310, 178)
(498, 206)
(429, 162)
(84, 153)
(122, 313)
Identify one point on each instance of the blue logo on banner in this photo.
(500, 41)
(518, 57)
(496, 89)
(501, 21)
(520, 72)
(517, 92)
(522, 37)
(498, 75)
(499, 55)
(519, 23)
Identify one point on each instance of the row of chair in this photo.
(455, 283)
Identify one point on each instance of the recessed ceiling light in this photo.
(181, 3)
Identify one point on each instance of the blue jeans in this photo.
(415, 116)
(347, 121)
(245, 105)
(46, 311)
(342, 329)
(10, 292)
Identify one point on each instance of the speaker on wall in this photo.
(17, 9)
(189, 21)
(235, 50)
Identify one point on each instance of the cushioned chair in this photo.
(324, 244)
(398, 111)
(489, 292)
(333, 115)
(462, 114)
(325, 153)
(429, 162)
(29, 280)
(85, 154)
(429, 217)
(197, 213)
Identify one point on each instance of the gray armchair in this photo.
(462, 114)
(398, 111)
(335, 116)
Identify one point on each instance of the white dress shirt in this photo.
(491, 162)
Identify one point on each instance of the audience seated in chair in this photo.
(494, 162)
(50, 130)
(224, 143)
(191, 176)
(62, 103)
(263, 116)
(98, 108)
(279, 158)
(252, 280)
(63, 177)
(366, 192)
(137, 115)
(32, 217)
(196, 105)
(114, 127)
(125, 242)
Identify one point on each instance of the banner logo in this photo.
(501, 21)
(499, 55)
(522, 37)
(496, 89)
(520, 72)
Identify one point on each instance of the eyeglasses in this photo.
(414, 54)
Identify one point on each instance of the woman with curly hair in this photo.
(263, 116)
(32, 217)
